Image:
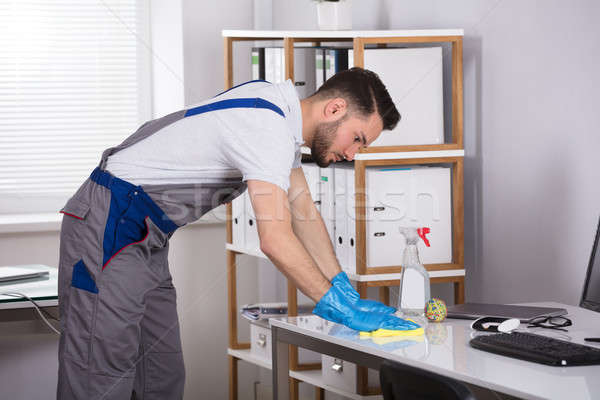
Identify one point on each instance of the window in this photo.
(73, 81)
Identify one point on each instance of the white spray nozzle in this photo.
(411, 235)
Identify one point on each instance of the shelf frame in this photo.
(457, 212)
(359, 40)
(376, 38)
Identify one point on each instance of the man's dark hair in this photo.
(364, 92)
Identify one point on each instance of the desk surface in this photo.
(444, 349)
(43, 290)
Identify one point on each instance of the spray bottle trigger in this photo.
(422, 232)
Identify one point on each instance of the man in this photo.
(120, 333)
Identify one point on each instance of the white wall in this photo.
(203, 45)
(531, 134)
(205, 335)
(166, 43)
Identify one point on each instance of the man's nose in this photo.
(350, 152)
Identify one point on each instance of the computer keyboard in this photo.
(537, 348)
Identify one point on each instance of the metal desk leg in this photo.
(281, 371)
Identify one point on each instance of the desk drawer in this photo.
(260, 344)
(342, 374)
(260, 340)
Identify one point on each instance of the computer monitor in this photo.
(590, 297)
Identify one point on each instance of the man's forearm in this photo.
(308, 225)
(292, 259)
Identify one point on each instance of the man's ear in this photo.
(335, 109)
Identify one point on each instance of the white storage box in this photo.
(411, 196)
(408, 197)
(414, 79)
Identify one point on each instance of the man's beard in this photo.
(322, 140)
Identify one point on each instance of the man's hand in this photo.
(342, 282)
(335, 307)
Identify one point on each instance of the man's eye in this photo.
(356, 139)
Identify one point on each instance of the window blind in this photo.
(71, 77)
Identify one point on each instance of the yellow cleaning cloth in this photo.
(382, 341)
(388, 332)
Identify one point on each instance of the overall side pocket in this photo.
(130, 228)
(78, 290)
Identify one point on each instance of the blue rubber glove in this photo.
(336, 307)
(342, 282)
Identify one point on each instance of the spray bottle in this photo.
(414, 292)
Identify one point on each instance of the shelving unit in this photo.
(312, 377)
(382, 277)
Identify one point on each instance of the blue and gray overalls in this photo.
(120, 332)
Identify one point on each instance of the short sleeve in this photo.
(267, 154)
(297, 159)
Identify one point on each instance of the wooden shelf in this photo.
(247, 356)
(351, 34)
(375, 156)
(378, 155)
(396, 276)
(405, 152)
(313, 377)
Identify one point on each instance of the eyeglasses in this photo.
(550, 323)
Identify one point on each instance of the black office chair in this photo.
(401, 382)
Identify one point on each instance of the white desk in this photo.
(444, 349)
(43, 290)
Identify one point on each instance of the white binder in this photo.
(252, 241)
(274, 67)
(272, 57)
(238, 220)
(320, 64)
(351, 218)
(341, 246)
(414, 79)
(327, 195)
(304, 71)
(409, 197)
